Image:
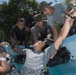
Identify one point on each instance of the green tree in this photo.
(11, 11)
(69, 4)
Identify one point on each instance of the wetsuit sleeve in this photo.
(48, 52)
(27, 38)
(63, 7)
(12, 31)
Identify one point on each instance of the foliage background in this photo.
(11, 11)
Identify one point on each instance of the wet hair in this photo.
(21, 20)
(2, 49)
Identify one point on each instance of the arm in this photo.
(51, 22)
(35, 34)
(65, 30)
(49, 31)
(27, 38)
(12, 36)
(54, 47)
(64, 7)
(15, 39)
(55, 33)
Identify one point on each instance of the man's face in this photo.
(40, 24)
(20, 25)
(47, 10)
(4, 65)
(39, 45)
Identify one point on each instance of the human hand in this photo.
(72, 13)
(71, 17)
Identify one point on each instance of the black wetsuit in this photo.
(21, 35)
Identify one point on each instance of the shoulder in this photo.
(57, 4)
(51, 48)
(27, 50)
(34, 28)
(14, 27)
(60, 5)
(26, 29)
(46, 23)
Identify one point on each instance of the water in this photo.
(68, 68)
(18, 66)
(70, 44)
(14, 72)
